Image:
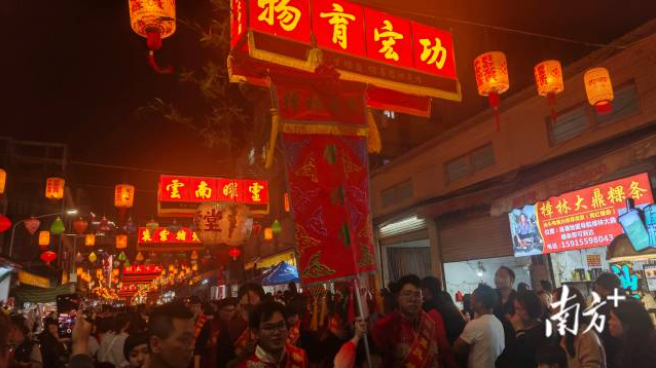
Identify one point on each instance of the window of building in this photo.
(470, 163)
(568, 124)
(625, 104)
(574, 121)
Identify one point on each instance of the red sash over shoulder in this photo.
(294, 358)
(420, 353)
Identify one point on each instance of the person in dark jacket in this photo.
(529, 330)
(441, 301)
(504, 279)
(631, 325)
(605, 286)
(26, 353)
(53, 350)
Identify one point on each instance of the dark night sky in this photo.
(75, 73)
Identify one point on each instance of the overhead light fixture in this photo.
(406, 225)
(71, 212)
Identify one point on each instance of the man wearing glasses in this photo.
(409, 336)
(267, 322)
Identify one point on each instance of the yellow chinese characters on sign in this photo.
(174, 188)
(339, 20)
(434, 52)
(231, 190)
(280, 10)
(204, 190)
(255, 190)
(145, 236)
(388, 39)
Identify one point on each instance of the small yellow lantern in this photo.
(268, 234)
(44, 238)
(79, 271)
(599, 89)
(55, 188)
(115, 272)
(121, 241)
(3, 181)
(491, 71)
(90, 240)
(123, 196)
(549, 81)
(153, 20)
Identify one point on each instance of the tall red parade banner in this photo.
(326, 62)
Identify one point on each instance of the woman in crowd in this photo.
(630, 322)
(53, 350)
(135, 350)
(529, 330)
(26, 353)
(584, 349)
(111, 347)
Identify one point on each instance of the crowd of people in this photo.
(420, 327)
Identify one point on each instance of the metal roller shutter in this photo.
(485, 237)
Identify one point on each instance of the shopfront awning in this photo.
(271, 261)
(31, 294)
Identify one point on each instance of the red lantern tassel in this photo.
(495, 100)
(155, 43)
(551, 99)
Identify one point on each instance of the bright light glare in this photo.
(71, 212)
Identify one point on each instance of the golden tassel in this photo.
(314, 324)
(275, 126)
(315, 57)
(373, 139)
(324, 310)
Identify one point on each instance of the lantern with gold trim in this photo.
(121, 241)
(55, 188)
(491, 71)
(549, 82)
(90, 240)
(44, 239)
(3, 181)
(599, 89)
(154, 20)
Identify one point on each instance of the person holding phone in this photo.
(52, 349)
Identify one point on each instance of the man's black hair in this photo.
(531, 302)
(226, 303)
(486, 296)
(547, 286)
(608, 281)
(433, 285)
(408, 279)
(263, 312)
(510, 272)
(245, 288)
(161, 319)
(50, 321)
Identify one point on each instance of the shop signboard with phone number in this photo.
(586, 218)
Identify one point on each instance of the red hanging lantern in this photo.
(491, 71)
(5, 223)
(80, 226)
(32, 225)
(154, 20)
(234, 253)
(55, 188)
(549, 82)
(48, 256)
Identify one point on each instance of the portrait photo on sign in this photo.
(526, 237)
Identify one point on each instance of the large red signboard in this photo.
(407, 56)
(196, 189)
(581, 219)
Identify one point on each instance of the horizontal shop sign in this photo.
(586, 218)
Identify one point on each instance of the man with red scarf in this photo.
(410, 337)
(268, 324)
